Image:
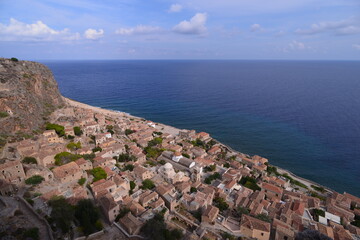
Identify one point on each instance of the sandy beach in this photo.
(175, 131)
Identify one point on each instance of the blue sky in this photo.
(183, 29)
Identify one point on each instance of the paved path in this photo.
(12, 204)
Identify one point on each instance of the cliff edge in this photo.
(28, 95)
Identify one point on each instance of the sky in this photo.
(181, 29)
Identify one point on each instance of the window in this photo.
(262, 234)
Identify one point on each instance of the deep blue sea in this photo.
(302, 115)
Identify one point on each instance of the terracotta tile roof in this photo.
(254, 223)
(272, 188)
(211, 212)
(66, 169)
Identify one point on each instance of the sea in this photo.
(303, 116)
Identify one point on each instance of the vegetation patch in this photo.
(152, 152)
(77, 131)
(60, 130)
(73, 146)
(129, 131)
(98, 174)
(212, 177)
(221, 204)
(250, 183)
(29, 160)
(147, 184)
(82, 181)
(65, 157)
(125, 157)
(3, 114)
(34, 180)
(156, 228)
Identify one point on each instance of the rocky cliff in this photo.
(28, 94)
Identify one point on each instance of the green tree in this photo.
(77, 131)
(97, 149)
(147, 184)
(65, 157)
(132, 185)
(14, 59)
(34, 180)
(29, 160)
(129, 131)
(62, 213)
(82, 181)
(221, 203)
(129, 167)
(98, 174)
(60, 130)
(193, 189)
(31, 233)
(73, 146)
(125, 157)
(87, 215)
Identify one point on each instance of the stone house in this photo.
(68, 173)
(210, 214)
(12, 172)
(131, 224)
(143, 173)
(254, 228)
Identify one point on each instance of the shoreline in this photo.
(172, 130)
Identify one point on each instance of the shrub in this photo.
(147, 184)
(78, 131)
(129, 131)
(132, 185)
(221, 203)
(60, 130)
(212, 177)
(14, 59)
(98, 174)
(97, 149)
(152, 152)
(88, 216)
(65, 157)
(73, 146)
(30, 201)
(186, 155)
(250, 183)
(319, 189)
(3, 114)
(227, 165)
(62, 213)
(125, 157)
(32, 233)
(210, 168)
(34, 180)
(129, 167)
(82, 181)
(29, 160)
(193, 189)
(155, 141)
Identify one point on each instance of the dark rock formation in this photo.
(28, 95)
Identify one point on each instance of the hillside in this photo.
(28, 94)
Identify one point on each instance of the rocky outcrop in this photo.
(28, 95)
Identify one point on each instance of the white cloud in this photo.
(295, 45)
(255, 28)
(94, 34)
(38, 31)
(356, 46)
(175, 8)
(196, 25)
(140, 29)
(343, 27)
